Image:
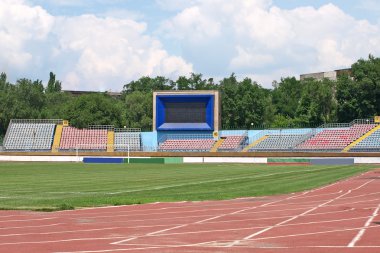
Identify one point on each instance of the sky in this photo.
(101, 45)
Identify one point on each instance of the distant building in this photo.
(78, 93)
(332, 75)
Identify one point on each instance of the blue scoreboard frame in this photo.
(162, 100)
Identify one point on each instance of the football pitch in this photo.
(58, 186)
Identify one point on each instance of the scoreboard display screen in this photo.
(190, 112)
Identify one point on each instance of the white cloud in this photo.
(262, 38)
(21, 25)
(86, 52)
(215, 37)
(108, 48)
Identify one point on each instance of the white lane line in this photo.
(296, 216)
(236, 212)
(147, 247)
(63, 240)
(355, 202)
(319, 195)
(360, 234)
(362, 195)
(62, 232)
(306, 234)
(37, 226)
(250, 228)
(204, 220)
(28, 220)
(279, 217)
(164, 230)
(158, 213)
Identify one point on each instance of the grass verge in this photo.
(65, 186)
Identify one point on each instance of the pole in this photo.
(128, 153)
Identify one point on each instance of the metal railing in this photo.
(184, 137)
(100, 127)
(37, 121)
(127, 130)
(356, 121)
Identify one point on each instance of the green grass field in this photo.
(56, 186)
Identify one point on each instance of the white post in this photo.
(128, 153)
(77, 153)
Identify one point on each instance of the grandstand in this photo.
(335, 139)
(279, 142)
(30, 135)
(86, 139)
(127, 138)
(58, 136)
(186, 142)
(370, 143)
(189, 121)
(233, 142)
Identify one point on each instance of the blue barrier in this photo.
(103, 160)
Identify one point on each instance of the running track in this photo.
(342, 217)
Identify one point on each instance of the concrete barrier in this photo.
(41, 158)
(367, 160)
(332, 161)
(234, 160)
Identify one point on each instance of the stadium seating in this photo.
(187, 145)
(84, 139)
(279, 142)
(125, 140)
(335, 139)
(232, 143)
(369, 144)
(29, 136)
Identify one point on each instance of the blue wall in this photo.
(150, 139)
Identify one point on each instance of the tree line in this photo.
(245, 103)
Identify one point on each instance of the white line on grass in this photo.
(195, 183)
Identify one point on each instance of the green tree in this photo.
(53, 84)
(317, 104)
(358, 95)
(139, 110)
(347, 99)
(287, 96)
(94, 109)
(194, 82)
(148, 84)
(243, 103)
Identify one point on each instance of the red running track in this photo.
(341, 217)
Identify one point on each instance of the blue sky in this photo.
(103, 44)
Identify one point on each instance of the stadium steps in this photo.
(366, 135)
(110, 140)
(217, 145)
(254, 143)
(57, 138)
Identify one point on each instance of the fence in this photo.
(184, 137)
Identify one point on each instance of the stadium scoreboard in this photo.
(186, 110)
